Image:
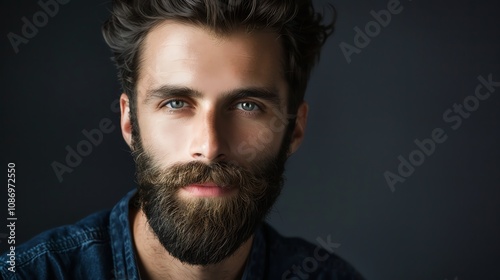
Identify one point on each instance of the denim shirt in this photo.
(100, 247)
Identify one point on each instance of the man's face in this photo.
(211, 149)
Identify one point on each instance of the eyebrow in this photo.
(269, 94)
(169, 91)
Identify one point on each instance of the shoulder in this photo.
(296, 258)
(56, 252)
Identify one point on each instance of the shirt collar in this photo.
(125, 266)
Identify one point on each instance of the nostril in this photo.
(197, 155)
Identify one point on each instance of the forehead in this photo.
(188, 55)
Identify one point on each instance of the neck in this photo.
(154, 261)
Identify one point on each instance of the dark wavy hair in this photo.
(300, 28)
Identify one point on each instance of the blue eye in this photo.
(175, 104)
(247, 106)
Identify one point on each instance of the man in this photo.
(212, 108)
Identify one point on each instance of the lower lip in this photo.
(206, 190)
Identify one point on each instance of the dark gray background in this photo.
(441, 223)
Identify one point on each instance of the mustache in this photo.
(176, 176)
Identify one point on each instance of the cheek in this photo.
(272, 131)
(257, 140)
(163, 139)
(268, 137)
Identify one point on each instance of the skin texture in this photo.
(211, 125)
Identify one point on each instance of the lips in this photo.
(207, 190)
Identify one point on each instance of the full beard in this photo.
(203, 231)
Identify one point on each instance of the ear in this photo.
(125, 124)
(300, 127)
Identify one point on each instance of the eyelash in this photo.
(259, 108)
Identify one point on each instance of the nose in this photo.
(208, 142)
